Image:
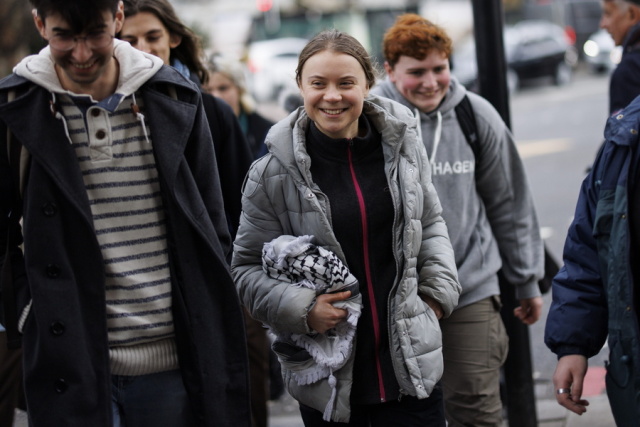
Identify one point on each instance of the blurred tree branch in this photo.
(18, 35)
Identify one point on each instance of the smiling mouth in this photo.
(333, 112)
(84, 66)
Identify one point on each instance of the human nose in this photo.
(143, 46)
(428, 80)
(332, 94)
(80, 49)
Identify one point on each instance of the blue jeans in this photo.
(150, 400)
(408, 412)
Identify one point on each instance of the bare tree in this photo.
(18, 36)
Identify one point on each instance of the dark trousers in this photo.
(158, 399)
(408, 412)
(11, 387)
(258, 348)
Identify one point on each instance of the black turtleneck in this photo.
(335, 163)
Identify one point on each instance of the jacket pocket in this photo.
(622, 393)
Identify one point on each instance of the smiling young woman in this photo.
(349, 173)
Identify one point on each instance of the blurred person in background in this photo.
(487, 207)
(153, 26)
(349, 172)
(621, 18)
(227, 81)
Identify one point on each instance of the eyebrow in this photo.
(61, 30)
(152, 32)
(93, 28)
(317, 76)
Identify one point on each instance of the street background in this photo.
(558, 131)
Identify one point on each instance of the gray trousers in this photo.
(475, 346)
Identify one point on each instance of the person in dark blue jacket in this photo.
(595, 294)
(621, 18)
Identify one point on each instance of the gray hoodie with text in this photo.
(489, 212)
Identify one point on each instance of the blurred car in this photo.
(601, 52)
(272, 65)
(533, 49)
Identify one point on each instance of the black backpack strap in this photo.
(467, 121)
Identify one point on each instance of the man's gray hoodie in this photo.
(489, 212)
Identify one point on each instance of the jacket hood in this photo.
(388, 117)
(136, 67)
(453, 97)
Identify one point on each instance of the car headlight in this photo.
(591, 48)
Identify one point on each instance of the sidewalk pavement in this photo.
(284, 412)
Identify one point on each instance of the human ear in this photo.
(389, 70)
(174, 40)
(37, 20)
(119, 17)
(634, 13)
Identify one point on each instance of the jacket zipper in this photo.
(365, 249)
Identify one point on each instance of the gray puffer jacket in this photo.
(280, 198)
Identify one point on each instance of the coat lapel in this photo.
(33, 124)
(170, 124)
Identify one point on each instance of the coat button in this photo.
(95, 112)
(53, 271)
(49, 209)
(57, 328)
(101, 134)
(60, 385)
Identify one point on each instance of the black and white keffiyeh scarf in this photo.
(312, 357)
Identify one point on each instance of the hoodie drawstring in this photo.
(58, 115)
(140, 117)
(437, 135)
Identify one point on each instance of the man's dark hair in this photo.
(79, 14)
